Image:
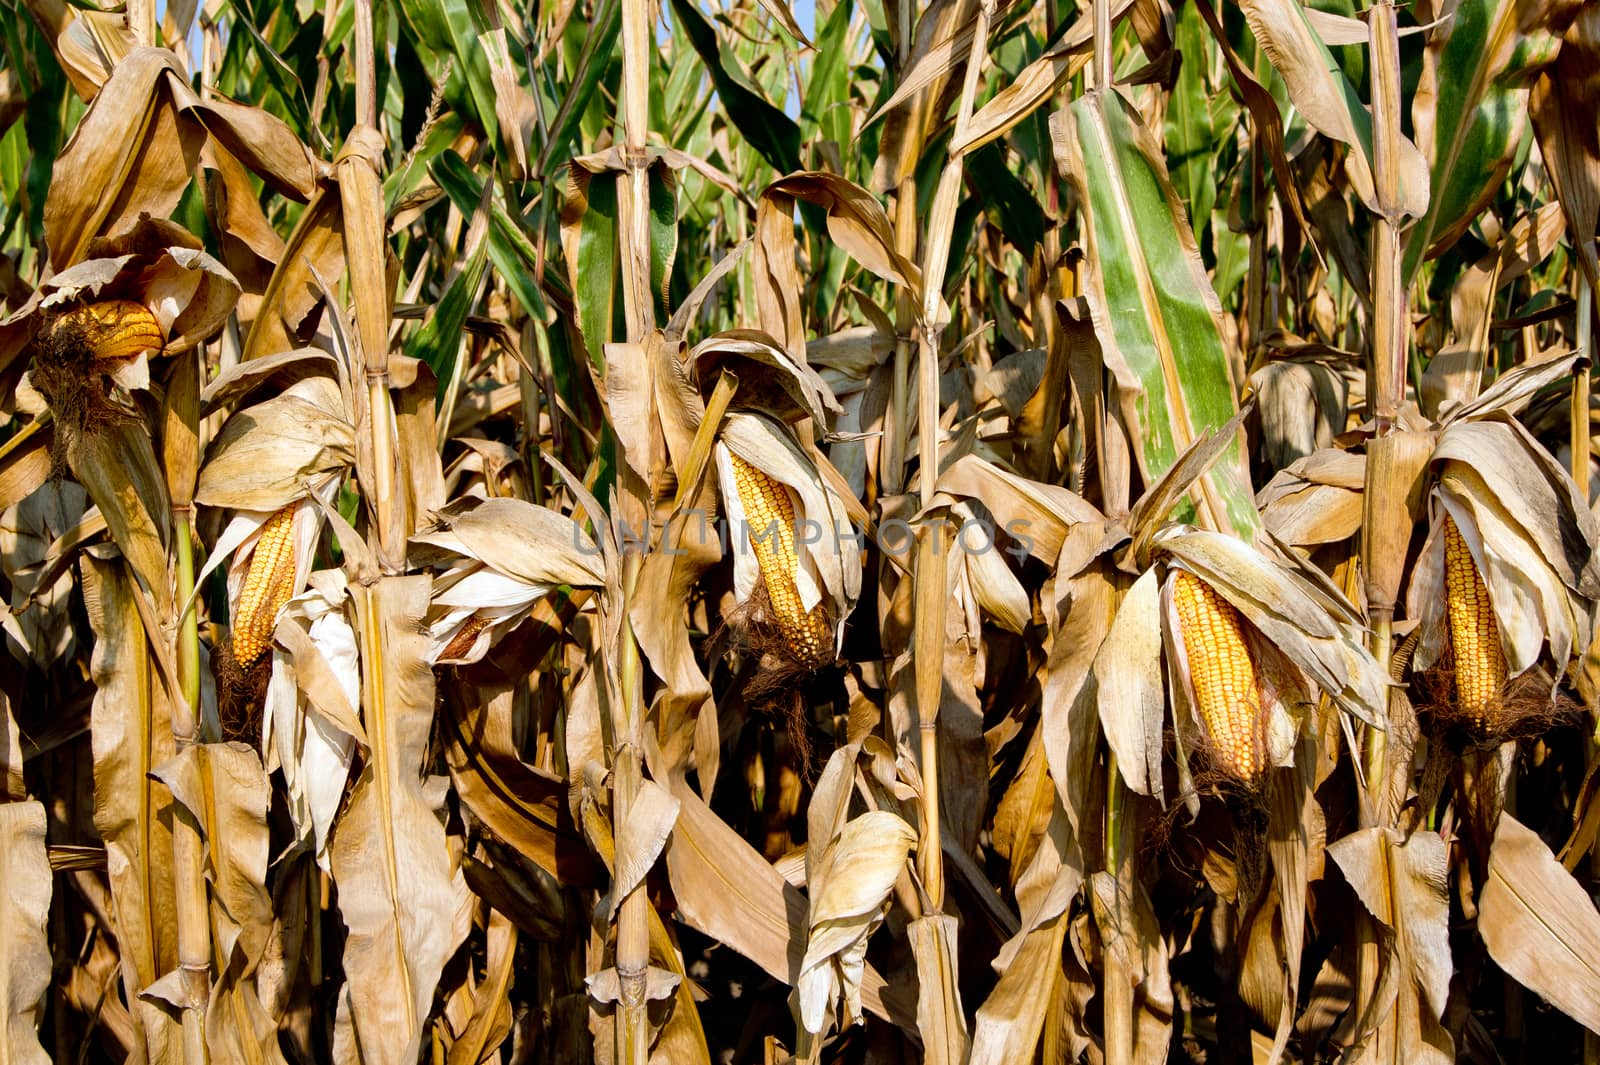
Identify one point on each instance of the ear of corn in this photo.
(267, 586)
(1480, 664)
(115, 329)
(769, 515)
(1227, 691)
(464, 638)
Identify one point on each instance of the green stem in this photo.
(189, 623)
(1580, 391)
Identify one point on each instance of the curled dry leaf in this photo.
(770, 379)
(848, 886)
(498, 558)
(309, 726)
(25, 954)
(1540, 925)
(265, 455)
(1315, 500)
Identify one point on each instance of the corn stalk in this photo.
(627, 730)
(182, 453)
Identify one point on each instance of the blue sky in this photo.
(805, 13)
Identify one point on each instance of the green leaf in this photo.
(514, 257)
(1195, 124)
(827, 98)
(769, 131)
(451, 28)
(599, 45)
(1008, 202)
(663, 235)
(589, 235)
(279, 74)
(1471, 114)
(438, 342)
(1157, 317)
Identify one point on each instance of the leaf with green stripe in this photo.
(514, 257)
(589, 238)
(438, 342)
(1158, 320)
(1471, 112)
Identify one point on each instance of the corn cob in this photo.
(115, 329)
(267, 586)
(1227, 691)
(464, 638)
(1480, 664)
(769, 516)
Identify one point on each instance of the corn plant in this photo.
(959, 531)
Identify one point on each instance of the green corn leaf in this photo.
(1471, 114)
(599, 45)
(438, 342)
(589, 236)
(769, 131)
(663, 236)
(512, 253)
(1158, 320)
(451, 28)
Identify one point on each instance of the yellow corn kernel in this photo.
(769, 516)
(115, 329)
(1480, 663)
(1227, 691)
(267, 586)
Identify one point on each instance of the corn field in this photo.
(756, 532)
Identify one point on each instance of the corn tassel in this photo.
(769, 515)
(1227, 691)
(1480, 664)
(267, 586)
(115, 329)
